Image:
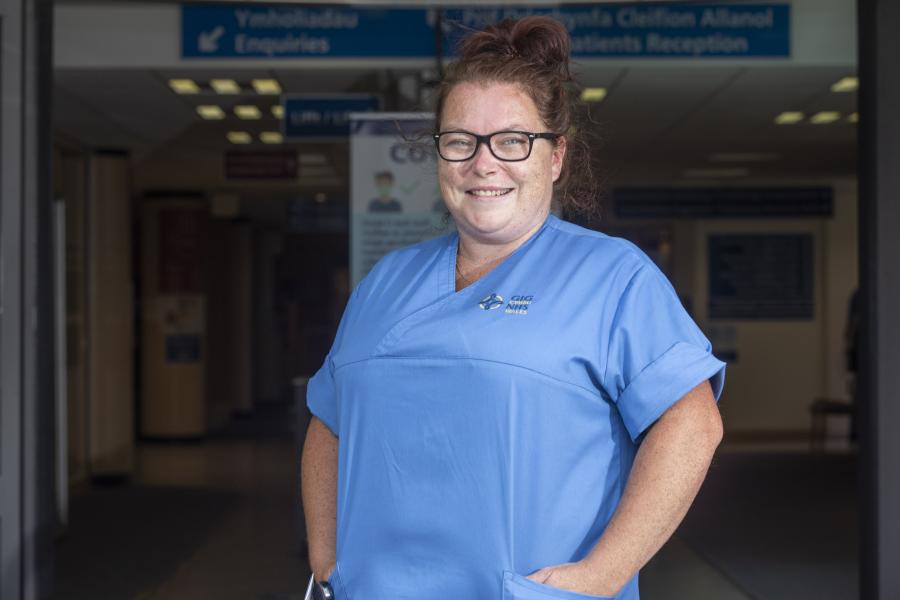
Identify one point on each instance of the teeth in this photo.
(489, 193)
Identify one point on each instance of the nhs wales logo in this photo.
(518, 305)
(491, 302)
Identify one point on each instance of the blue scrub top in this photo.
(487, 433)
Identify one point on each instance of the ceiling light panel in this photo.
(847, 84)
(789, 118)
(247, 112)
(184, 86)
(853, 117)
(278, 111)
(268, 87)
(211, 112)
(239, 137)
(225, 86)
(593, 94)
(824, 117)
(270, 137)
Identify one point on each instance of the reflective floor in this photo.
(218, 519)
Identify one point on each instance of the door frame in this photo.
(27, 517)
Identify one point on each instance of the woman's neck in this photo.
(476, 258)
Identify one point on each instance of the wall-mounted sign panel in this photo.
(260, 164)
(723, 203)
(651, 31)
(307, 117)
(763, 277)
(261, 31)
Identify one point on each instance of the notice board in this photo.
(761, 276)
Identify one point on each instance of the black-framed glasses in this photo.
(509, 146)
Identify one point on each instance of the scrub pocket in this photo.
(518, 587)
(337, 585)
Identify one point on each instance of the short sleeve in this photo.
(321, 397)
(321, 392)
(656, 353)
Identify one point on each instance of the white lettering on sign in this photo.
(613, 44)
(738, 19)
(656, 18)
(697, 46)
(289, 44)
(296, 18)
(593, 17)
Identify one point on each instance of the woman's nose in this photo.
(484, 162)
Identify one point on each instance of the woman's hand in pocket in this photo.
(323, 572)
(574, 577)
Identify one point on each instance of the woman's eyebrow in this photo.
(510, 127)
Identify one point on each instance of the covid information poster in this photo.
(394, 196)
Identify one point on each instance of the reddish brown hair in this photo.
(532, 53)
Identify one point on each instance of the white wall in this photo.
(781, 365)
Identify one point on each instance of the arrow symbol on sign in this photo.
(209, 41)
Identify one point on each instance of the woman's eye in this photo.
(459, 142)
(511, 141)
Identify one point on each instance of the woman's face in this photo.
(492, 201)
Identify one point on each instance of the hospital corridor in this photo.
(206, 215)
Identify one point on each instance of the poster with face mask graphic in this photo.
(394, 196)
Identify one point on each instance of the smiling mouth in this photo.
(489, 193)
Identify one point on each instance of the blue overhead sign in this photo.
(322, 116)
(655, 31)
(607, 30)
(261, 31)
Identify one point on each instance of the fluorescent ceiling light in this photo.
(789, 118)
(239, 137)
(270, 137)
(211, 112)
(847, 84)
(826, 116)
(593, 94)
(278, 111)
(743, 156)
(184, 86)
(268, 87)
(247, 111)
(225, 86)
(718, 173)
(853, 117)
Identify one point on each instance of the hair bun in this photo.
(536, 40)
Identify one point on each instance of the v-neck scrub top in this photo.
(487, 433)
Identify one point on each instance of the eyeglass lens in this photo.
(505, 145)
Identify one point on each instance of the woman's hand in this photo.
(324, 573)
(670, 465)
(574, 577)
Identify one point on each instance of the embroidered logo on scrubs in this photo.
(518, 305)
(491, 302)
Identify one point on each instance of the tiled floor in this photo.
(219, 520)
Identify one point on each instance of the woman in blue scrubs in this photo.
(521, 410)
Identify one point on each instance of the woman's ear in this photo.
(558, 157)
